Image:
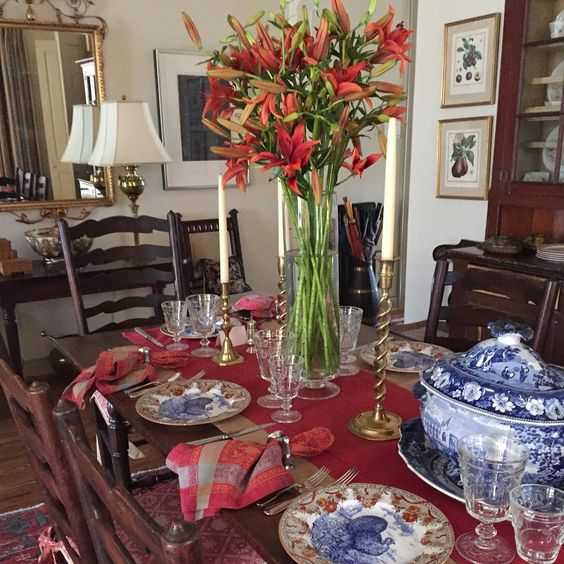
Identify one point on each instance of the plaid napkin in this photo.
(226, 475)
(114, 370)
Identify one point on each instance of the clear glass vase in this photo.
(313, 297)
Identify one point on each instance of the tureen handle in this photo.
(510, 332)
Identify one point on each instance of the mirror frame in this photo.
(97, 32)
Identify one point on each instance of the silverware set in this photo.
(306, 487)
(138, 391)
(227, 436)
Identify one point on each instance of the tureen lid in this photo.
(502, 375)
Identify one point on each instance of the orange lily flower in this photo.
(342, 16)
(395, 111)
(239, 170)
(358, 165)
(342, 79)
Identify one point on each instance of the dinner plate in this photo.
(427, 463)
(184, 404)
(407, 356)
(554, 91)
(364, 524)
(549, 152)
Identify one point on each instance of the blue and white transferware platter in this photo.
(365, 524)
(204, 401)
(427, 462)
(407, 356)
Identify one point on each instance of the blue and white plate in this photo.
(428, 463)
(365, 524)
(407, 356)
(203, 401)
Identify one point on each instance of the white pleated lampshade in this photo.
(81, 139)
(127, 136)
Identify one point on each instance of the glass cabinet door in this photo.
(538, 154)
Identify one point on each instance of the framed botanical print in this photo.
(470, 61)
(182, 85)
(464, 158)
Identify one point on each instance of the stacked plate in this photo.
(554, 253)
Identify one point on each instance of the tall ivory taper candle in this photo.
(390, 192)
(223, 237)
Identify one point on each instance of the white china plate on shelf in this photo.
(554, 91)
(549, 154)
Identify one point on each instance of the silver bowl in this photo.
(45, 242)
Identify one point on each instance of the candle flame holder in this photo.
(227, 356)
(282, 298)
(379, 424)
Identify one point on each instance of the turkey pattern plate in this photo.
(365, 524)
(407, 356)
(204, 401)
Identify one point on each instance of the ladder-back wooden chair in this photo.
(121, 530)
(187, 229)
(31, 408)
(478, 296)
(120, 268)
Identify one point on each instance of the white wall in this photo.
(434, 221)
(136, 28)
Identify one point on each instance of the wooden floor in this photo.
(18, 487)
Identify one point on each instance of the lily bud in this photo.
(266, 86)
(238, 28)
(233, 126)
(215, 128)
(342, 15)
(192, 30)
(316, 187)
(225, 74)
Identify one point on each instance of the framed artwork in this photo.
(181, 88)
(464, 158)
(470, 61)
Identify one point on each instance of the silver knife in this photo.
(227, 436)
(149, 338)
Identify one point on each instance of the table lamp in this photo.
(81, 142)
(127, 137)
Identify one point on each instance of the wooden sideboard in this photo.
(48, 282)
(524, 268)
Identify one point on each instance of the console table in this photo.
(48, 282)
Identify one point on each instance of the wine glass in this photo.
(287, 375)
(350, 320)
(175, 317)
(537, 513)
(203, 310)
(267, 341)
(489, 468)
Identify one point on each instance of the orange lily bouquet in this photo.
(297, 97)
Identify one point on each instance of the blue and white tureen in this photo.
(500, 386)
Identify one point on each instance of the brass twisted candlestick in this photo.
(282, 298)
(380, 425)
(227, 356)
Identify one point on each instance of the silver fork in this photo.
(316, 479)
(342, 481)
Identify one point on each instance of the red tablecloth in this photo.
(377, 462)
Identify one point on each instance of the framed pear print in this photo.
(464, 158)
(470, 61)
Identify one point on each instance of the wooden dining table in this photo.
(260, 530)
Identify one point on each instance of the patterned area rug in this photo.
(221, 543)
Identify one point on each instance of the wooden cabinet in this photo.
(527, 191)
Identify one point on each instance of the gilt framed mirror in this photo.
(48, 73)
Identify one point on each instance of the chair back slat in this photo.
(113, 513)
(122, 268)
(31, 409)
(128, 324)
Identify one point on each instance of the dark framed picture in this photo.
(471, 52)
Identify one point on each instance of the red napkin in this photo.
(114, 371)
(312, 442)
(258, 304)
(226, 475)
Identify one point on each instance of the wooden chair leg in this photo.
(545, 315)
(119, 445)
(437, 293)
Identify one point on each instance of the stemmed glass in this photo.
(287, 373)
(489, 468)
(267, 342)
(203, 310)
(537, 513)
(175, 317)
(350, 320)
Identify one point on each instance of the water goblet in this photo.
(489, 468)
(266, 342)
(287, 374)
(537, 513)
(350, 320)
(203, 310)
(175, 317)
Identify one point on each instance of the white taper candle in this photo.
(390, 192)
(281, 220)
(223, 236)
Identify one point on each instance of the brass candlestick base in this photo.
(227, 356)
(380, 425)
(282, 298)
